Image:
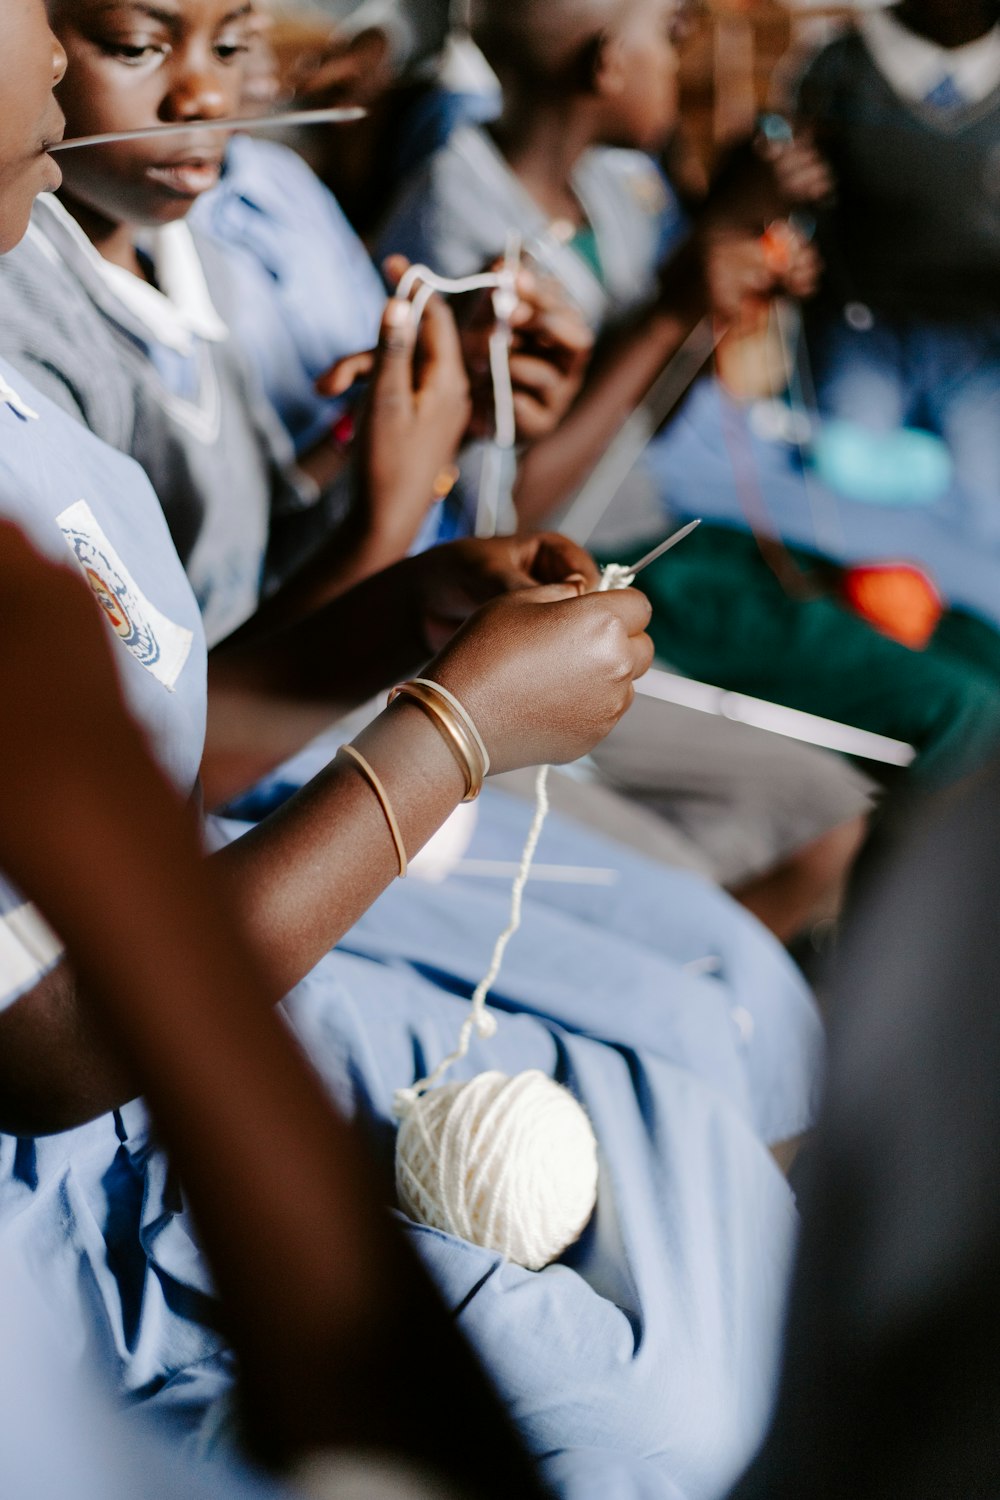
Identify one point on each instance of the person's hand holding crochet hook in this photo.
(744, 269)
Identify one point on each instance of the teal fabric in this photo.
(584, 242)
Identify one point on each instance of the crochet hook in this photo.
(671, 541)
(339, 115)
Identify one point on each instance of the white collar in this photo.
(18, 405)
(183, 310)
(914, 66)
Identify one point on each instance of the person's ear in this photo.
(609, 75)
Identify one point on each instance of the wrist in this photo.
(456, 725)
(390, 516)
(414, 762)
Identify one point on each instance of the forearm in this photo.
(279, 682)
(162, 984)
(295, 885)
(553, 469)
(302, 878)
(366, 543)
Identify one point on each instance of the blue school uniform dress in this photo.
(650, 1348)
(62, 1439)
(308, 291)
(91, 1209)
(60, 1436)
(154, 371)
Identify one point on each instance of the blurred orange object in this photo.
(897, 598)
(776, 243)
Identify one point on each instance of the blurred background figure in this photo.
(906, 110)
(409, 62)
(890, 1384)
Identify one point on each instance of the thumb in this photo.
(393, 373)
(338, 379)
(552, 593)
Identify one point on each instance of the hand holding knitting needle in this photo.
(622, 575)
(545, 672)
(453, 581)
(550, 352)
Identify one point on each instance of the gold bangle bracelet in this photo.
(442, 692)
(453, 730)
(459, 741)
(370, 776)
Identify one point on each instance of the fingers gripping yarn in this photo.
(615, 576)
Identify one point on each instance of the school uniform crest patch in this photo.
(156, 643)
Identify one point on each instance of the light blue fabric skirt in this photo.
(647, 1354)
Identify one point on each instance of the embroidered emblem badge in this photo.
(158, 644)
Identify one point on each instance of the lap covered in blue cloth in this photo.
(653, 1340)
(647, 1353)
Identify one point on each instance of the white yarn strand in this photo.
(507, 1163)
(479, 1018)
(497, 460)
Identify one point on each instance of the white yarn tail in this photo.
(479, 1018)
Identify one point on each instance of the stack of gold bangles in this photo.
(455, 724)
(461, 734)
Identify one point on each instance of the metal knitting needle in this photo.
(671, 541)
(339, 115)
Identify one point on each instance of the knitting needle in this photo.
(340, 115)
(671, 541)
(557, 874)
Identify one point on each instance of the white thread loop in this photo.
(417, 285)
(448, 286)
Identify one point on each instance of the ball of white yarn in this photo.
(508, 1163)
